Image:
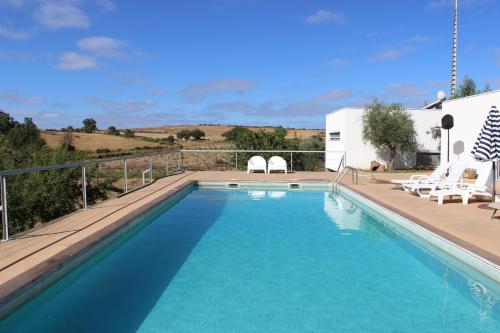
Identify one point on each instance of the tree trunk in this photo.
(392, 157)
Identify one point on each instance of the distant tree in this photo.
(435, 133)
(197, 134)
(128, 133)
(66, 142)
(70, 129)
(24, 135)
(233, 133)
(390, 127)
(89, 125)
(281, 131)
(6, 123)
(184, 134)
(170, 139)
(468, 87)
(113, 131)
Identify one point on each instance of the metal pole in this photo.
(84, 186)
(448, 153)
(236, 168)
(5, 220)
(166, 166)
(125, 175)
(291, 161)
(150, 170)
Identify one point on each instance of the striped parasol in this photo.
(487, 146)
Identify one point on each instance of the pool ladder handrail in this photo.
(341, 175)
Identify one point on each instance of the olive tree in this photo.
(389, 127)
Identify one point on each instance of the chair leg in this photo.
(493, 215)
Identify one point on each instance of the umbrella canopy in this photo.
(487, 146)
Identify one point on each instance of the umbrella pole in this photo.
(494, 181)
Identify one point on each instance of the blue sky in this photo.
(251, 62)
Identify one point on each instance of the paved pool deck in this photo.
(29, 256)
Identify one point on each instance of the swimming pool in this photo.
(263, 260)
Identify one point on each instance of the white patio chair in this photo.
(276, 163)
(455, 176)
(481, 187)
(437, 175)
(256, 163)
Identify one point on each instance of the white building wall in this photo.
(359, 154)
(469, 115)
(335, 121)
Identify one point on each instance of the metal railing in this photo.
(341, 175)
(83, 165)
(290, 153)
(170, 157)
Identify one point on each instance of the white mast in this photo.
(454, 53)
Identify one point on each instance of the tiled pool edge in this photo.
(410, 228)
(69, 259)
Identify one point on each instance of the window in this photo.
(335, 136)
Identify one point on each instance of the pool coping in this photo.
(36, 279)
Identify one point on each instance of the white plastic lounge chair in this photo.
(437, 175)
(256, 163)
(455, 176)
(276, 163)
(481, 187)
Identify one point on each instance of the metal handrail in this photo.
(341, 175)
(80, 163)
(83, 165)
(144, 175)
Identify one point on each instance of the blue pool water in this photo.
(259, 261)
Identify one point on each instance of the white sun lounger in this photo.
(455, 176)
(276, 163)
(256, 163)
(481, 187)
(437, 175)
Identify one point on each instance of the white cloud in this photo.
(76, 61)
(55, 15)
(271, 110)
(436, 4)
(389, 54)
(17, 97)
(324, 15)
(132, 77)
(100, 46)
(333, 95)
(409, 46)
(114, 106)
(406, 89)
(198, 92)
(14, 34)
(12, 3)
(106, 4)
(338, 62)
(156, 92)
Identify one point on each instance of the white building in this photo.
(469, 115)
(344, 138)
